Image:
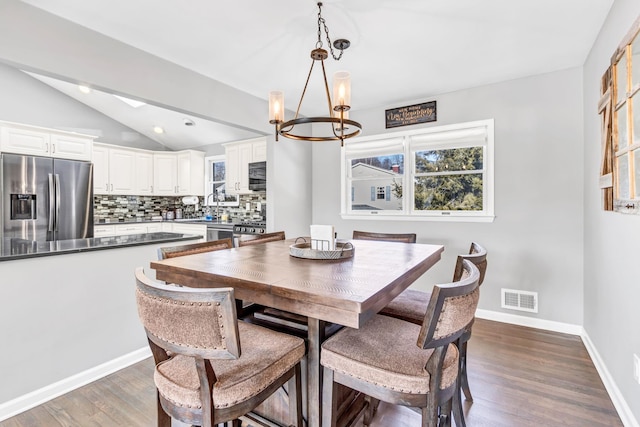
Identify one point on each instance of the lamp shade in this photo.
(276, 106)
(341, 90)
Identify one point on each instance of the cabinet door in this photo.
(144, 173)
(190, 229)
(246, 157)
(184, 173)
(71, 147)
(154, 228)
(122, 171)
(24, 141)
(259, 151)
(232, 165)
(104, 230)
(124, 229)
(100, 170)
(165, 171)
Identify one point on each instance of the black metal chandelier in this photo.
(341, 127)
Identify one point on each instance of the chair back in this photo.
(195, 322)
(451, 308)
(194, 248)
(478, 256)
(385, 237)
(263, 238)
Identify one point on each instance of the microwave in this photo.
(258, 176)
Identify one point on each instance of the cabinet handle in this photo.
(106, 187)
(111, 187)
(46, 147)
(53, 148)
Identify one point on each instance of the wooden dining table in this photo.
(346, 291)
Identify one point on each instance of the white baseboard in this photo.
(614, 392)
(514, 319)
(37, 397)
(624, 412)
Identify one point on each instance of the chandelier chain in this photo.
(323, 24)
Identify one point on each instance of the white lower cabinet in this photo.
(108, 230)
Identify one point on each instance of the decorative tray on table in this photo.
(302, 249)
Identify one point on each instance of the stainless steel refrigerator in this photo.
(46, 199)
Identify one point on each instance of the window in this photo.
(215, 176)
(620, 110)
(448, 174)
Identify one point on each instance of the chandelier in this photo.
(338, 126)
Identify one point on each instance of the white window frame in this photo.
(460, 135)
(208, 182)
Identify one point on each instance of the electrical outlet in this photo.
(636, 368)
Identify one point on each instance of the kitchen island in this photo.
(71, 318)
(16, 248)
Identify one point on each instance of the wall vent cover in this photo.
(520, 300)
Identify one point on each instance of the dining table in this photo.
(346, 291)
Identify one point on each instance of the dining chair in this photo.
(400, 362)
(194, 248)
(210, 368)
(385, 237)
(262, 238)
(411, 305)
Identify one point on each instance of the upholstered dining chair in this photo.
(400, 362)
(411, 305)
(194, 248)
(210, 368)
(262, 238)
(385, 237)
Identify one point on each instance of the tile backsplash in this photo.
(113, 208)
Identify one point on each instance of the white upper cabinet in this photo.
(165, 173)
(122, 171)
(179, 173)
(238, 155)
(144, 173)
(37, 141)
(101, 169)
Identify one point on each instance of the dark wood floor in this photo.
(519, 377)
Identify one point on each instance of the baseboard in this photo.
(624, 412)
(514, 319)
(25, 402)
(614, 392)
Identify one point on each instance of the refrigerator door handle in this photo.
(57, 200)
(51, 203)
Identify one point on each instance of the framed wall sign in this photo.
(410, 115)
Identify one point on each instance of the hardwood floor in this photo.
(518, 376)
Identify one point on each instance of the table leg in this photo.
(316, 335)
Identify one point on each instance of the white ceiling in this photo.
(401, 50)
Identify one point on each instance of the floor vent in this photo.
(520, 300)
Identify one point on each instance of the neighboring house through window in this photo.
(434, 173)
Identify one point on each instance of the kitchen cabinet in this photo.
(179, 173)
(37, 141)
(121, 170)
(104, 230)
(144, 173)
(122, 229)
(114, 170)
(238, 155)
(200, 229)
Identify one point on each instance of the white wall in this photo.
(535, 242)
(27, 100)
(612, 244)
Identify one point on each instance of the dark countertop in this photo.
(13, 249)
(210, 224)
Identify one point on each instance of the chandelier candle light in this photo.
(338, 118)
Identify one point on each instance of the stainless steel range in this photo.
(250, 227)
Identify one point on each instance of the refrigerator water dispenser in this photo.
(23, 206)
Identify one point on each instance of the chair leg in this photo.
(456, 407)
(444, 420)
(295, 397)
(464, 381)
(370, 409)
(430, 412)
(164, 420)
(329, 405)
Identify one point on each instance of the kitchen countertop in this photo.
(13, 249)
(210, 224)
